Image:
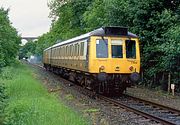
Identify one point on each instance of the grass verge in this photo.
(29, 103)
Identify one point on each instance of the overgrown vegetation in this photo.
(27, 50)
(9, 47)
(3, 98)
(9, 40)
(29, 103)
(156, 22)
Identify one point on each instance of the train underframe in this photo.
(102, 83)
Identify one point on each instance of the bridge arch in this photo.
(25, 39)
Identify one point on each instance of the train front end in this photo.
(114, 59)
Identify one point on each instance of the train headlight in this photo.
(101, 69)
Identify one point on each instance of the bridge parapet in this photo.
(29, 38)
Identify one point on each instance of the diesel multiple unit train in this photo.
(106, 60)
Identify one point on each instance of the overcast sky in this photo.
(29, 17)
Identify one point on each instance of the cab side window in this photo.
(101, 48)
(131, 49)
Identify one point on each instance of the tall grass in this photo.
(29, 103)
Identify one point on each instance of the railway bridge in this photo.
(29, 38)
(25, 39)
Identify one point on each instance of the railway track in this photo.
(149, 110)
(153, 111)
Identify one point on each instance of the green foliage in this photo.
(29, 103)
(70, 15)
(43, 42)
(5, 74)
(9, 40)
(170, 61)
(119, 13)
(67, 22)
(96, 15)
(3, 98)
(27, 50)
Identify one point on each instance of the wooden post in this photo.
(173, 92)
(173, 88)
(169, 82)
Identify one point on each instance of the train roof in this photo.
(104, 31)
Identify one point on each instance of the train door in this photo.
(50, 55)
(86, 53)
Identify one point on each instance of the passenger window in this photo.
(82, 49)
(59, 49)
(67, 51)
(73, 53)
(77, 49)
(102, 48)
(130, 49)
(116, 48)
(70, 50)
(55, 52)
(63, 51)
(73, 50)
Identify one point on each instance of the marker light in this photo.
(101, 69)
(131, 68)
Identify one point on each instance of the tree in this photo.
(9, 40)
(170, 61)
(96, 15)
(27, 50)
(67, 22)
